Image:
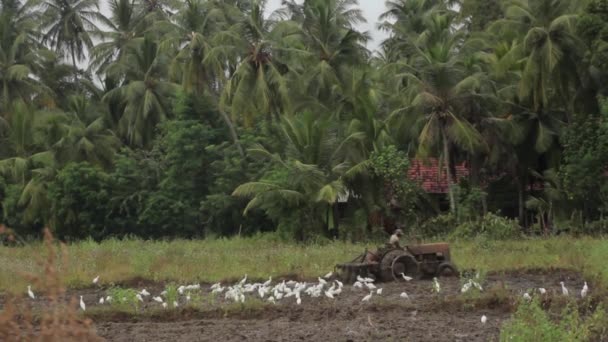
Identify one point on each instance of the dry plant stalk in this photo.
(49, 319)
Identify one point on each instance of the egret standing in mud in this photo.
(404, 295)
(484, 319)
(585, 290)
(527, 297)
(564, 289)
(95, 280)
(542, 290)
(82, 305)
(368, 297)
(436, 285)
(30, 292)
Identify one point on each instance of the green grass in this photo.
(260, 257)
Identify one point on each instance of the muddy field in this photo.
(425, 316)
(387, 317)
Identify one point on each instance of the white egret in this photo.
(368, 297)
(564, 289)
(484, 319)
(181, 289)
(542, 290)
(436, 285)
(477, 285)
(370, 286)
(165, 305)
(108, 299)
(328, 275)
(466, 287)
(101, 300)
(144, 293)
(82, 305)
(268, 282)
(299, 301)
(329, 294)
(139, 297)
(527, 297)
(95, 280)
(368, 280)
(30, 292)
(158, 299)
(585, 290)
(379, 292)
(339, 283)
(242, 282)
(404, 295)
(406, 278)
(322, 281)
(272, 300)
(188, 297)
(175, 304)
(358, 284)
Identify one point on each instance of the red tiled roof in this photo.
(427, 174)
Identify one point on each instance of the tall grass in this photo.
(263, 256)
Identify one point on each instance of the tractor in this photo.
(391, 263)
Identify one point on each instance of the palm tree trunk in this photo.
(74, 64)
(235, 137)
(446, 156)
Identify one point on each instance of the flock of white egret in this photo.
(293, 290)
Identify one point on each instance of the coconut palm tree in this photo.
(307, 177)
(18, 53)
(85, 136)
(122, 29)
(68, 25)
(333, 48)
(551, 48)
(256, 86)
(145, 94)
(438, 90)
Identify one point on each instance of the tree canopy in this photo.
(206, 117)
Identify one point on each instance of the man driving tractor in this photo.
(394, 239)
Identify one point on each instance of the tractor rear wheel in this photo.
(398, 262)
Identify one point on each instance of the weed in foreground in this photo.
(54, 318)
(532, 323)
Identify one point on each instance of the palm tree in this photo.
(122, 29)
(307, 176)
(550, 46)
(18, 53)
(32, 164)
(68, 26)
(85, 136)
(439, 86)
(257, 85)
(145, 94)
(333, 48)
(192, 38)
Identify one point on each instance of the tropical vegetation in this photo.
(214, 117)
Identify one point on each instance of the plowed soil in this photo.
(426, 316)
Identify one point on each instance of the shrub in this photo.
(532, 323)
(490, 226)
(437, 226)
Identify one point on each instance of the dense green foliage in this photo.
(532, 323)
(206, 117)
